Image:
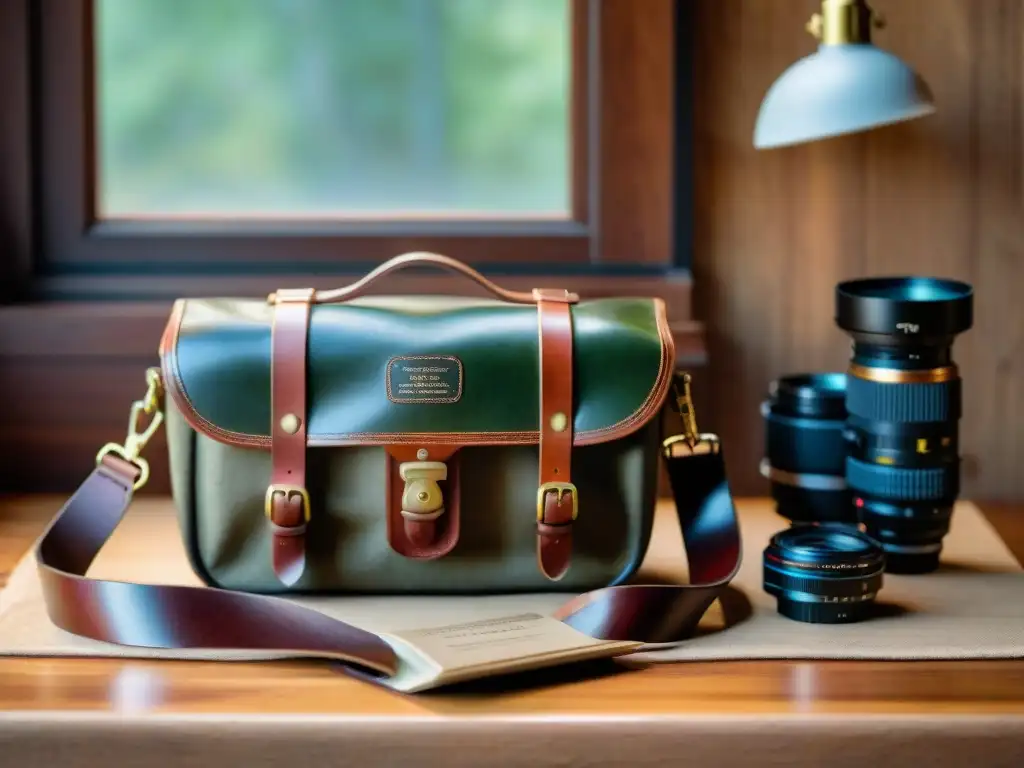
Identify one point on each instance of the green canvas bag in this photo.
(352, 442)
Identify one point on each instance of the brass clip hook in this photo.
(136, 440)
(690, 436)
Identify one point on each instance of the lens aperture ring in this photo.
(902, 403)
(783, 576)
(900, 484)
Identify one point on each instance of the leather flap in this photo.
(386, 370)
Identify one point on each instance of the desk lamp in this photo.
(848, 85)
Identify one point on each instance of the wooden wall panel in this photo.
(776, 230)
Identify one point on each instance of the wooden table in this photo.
(91, 712)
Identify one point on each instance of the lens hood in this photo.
(904, 310)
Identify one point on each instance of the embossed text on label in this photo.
(424, 379)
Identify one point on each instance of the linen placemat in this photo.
(971, 608)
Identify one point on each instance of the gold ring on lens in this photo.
(896, 376)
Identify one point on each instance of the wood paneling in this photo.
(635, 131)
(776, 230)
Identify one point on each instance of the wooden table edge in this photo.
(723, 742)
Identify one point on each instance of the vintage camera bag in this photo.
(349, 442)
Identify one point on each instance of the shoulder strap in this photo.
(162, 616)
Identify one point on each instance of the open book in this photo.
(439, 656)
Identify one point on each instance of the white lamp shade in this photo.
(840, 89)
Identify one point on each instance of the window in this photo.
(390, 109)
(316, 137)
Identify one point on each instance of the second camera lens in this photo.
(805, 450)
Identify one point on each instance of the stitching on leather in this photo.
(175, 387)
(172, 376)
(655, 398)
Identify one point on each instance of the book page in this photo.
(488, 647)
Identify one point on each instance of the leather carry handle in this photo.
(420, 259)
(180, 617)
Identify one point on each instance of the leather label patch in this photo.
(424, 379)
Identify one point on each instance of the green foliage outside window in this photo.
(332, 106)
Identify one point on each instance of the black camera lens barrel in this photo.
(805, 450)
(804, 418)
(823, 574)
(904, 404)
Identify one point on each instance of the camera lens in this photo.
(805, 448)
(823, 574)
(903, 398)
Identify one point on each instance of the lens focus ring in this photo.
(805, 448)
(803, 445)
(902, 403)
(901, 484)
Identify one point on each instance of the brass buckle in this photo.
(287, 490)
(136, 440)
(560, 489)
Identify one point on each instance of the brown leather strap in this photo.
(164, 616)
(665, 613)
(158, 616)
(178, 617)
(287, 504)
(556, 495)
